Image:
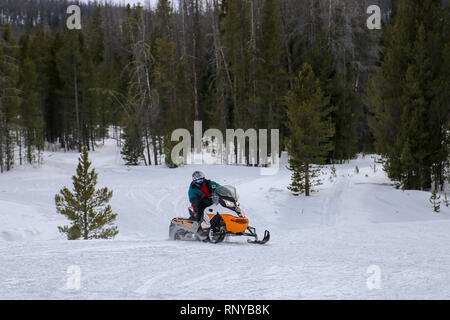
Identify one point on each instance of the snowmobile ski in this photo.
(263, 241)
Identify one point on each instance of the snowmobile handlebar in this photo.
(215, 198)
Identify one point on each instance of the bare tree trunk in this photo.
(286, 46)
(19, 142)
(307, 181)
(182, 5)
(255, 67)
(194, 72)
(312, 22)
(147, 145)
(76, 105)
(220, 98)
(194, 62)
(155, 151)
(160, 147)
(1, 136)
(330, 17)
(8, 151)
(230, 81)
(145, 160)
(92, 139)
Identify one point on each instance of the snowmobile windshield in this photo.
(227, 192)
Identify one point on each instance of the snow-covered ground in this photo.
(355, 230)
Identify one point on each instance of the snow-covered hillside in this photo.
(321, 247)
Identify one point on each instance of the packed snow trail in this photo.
(321, 247)
(317, 264)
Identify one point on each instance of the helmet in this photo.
(198, 178)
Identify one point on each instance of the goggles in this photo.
(199, 181)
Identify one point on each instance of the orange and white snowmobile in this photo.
(224, 218)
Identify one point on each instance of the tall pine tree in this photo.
(410, 95)
(9, 102)
(310, 131)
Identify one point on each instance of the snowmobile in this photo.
(223, 218)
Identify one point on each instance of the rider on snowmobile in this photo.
(200, 194)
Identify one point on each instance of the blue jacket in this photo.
(199, 198)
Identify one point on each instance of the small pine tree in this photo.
(85, 208)
(298, 184)
(333, 171)
(133, 147)
(435, 201)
